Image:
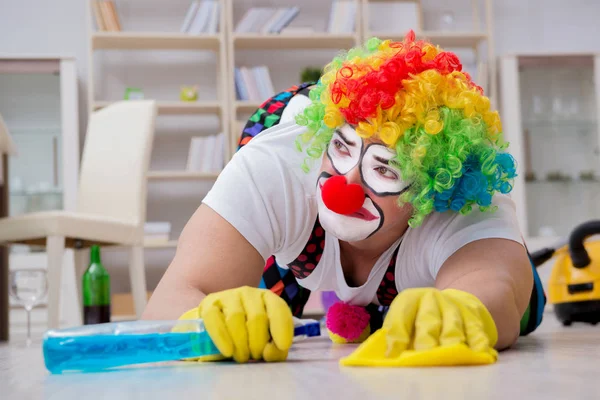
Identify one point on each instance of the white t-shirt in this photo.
(267, 197)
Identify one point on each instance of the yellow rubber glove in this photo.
(246, 323)
(429, 327)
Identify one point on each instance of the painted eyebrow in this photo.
(382, 160)
(345, 139)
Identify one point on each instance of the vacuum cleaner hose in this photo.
(579, 255)
(541, 256)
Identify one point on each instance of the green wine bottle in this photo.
(96, 291)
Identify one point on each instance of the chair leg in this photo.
(137, 274)
(55, 248)
(81, 264)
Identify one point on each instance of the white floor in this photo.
(555, 362)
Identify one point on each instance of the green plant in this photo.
(310, 74)
(132, 93)
(587, 175)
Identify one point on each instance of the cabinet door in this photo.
(558, 142)
(35, 173)
(31, 106)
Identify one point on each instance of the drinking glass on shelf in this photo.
(28, 287)
(447, 20)
(538, 108)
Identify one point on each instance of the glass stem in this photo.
(28, 309)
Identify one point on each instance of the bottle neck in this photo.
(95, 255)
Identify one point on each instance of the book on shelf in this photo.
(202, 17)
(207, 153)
(396, 17)
(106, 16)
(342, 17)
(266, 20)
(253, 84)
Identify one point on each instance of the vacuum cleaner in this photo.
(574, 285)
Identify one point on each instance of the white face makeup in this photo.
(349, 228)
(379, 177)
(345, 149)
(378, 173)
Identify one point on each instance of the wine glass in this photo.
(28, 287)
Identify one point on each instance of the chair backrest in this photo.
(115, 161)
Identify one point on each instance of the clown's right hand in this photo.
(246, 323)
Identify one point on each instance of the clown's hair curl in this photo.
(415, 98)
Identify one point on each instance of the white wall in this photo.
(47, 27)
(59, 26)
(546, 26)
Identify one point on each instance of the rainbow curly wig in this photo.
(414, 97)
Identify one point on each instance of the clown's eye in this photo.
(340, 147)
(386, 172)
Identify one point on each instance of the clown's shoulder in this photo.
(264, 193)
(442, 234)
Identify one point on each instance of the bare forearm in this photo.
(211, 256)
(171, 299)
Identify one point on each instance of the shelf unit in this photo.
(473, 39)
(443, 39)
(551, 105)
(154, 41)
(293, 41)
(179, 107)
(181, 175)
(282, 41)
(169, 41)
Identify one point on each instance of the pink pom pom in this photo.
(347, 321)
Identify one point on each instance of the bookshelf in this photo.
(181, 175)
(178, 107)
(291, 41)
(477, 37)
(115, 30)
(270, 44)
(443, 39)
(154, 41)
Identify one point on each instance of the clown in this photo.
(387, 182)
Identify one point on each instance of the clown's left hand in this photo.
(431, 327)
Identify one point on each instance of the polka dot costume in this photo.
(306, 262)
(387, 288)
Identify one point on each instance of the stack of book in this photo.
(105, 13)
(342, 18)
(207, 154)
(202, 17)
(156, 232)
(266, 20)
(253, 84)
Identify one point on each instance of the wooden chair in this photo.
(111, 201)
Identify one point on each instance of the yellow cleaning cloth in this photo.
(429, 327)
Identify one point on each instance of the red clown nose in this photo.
(340, 197)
